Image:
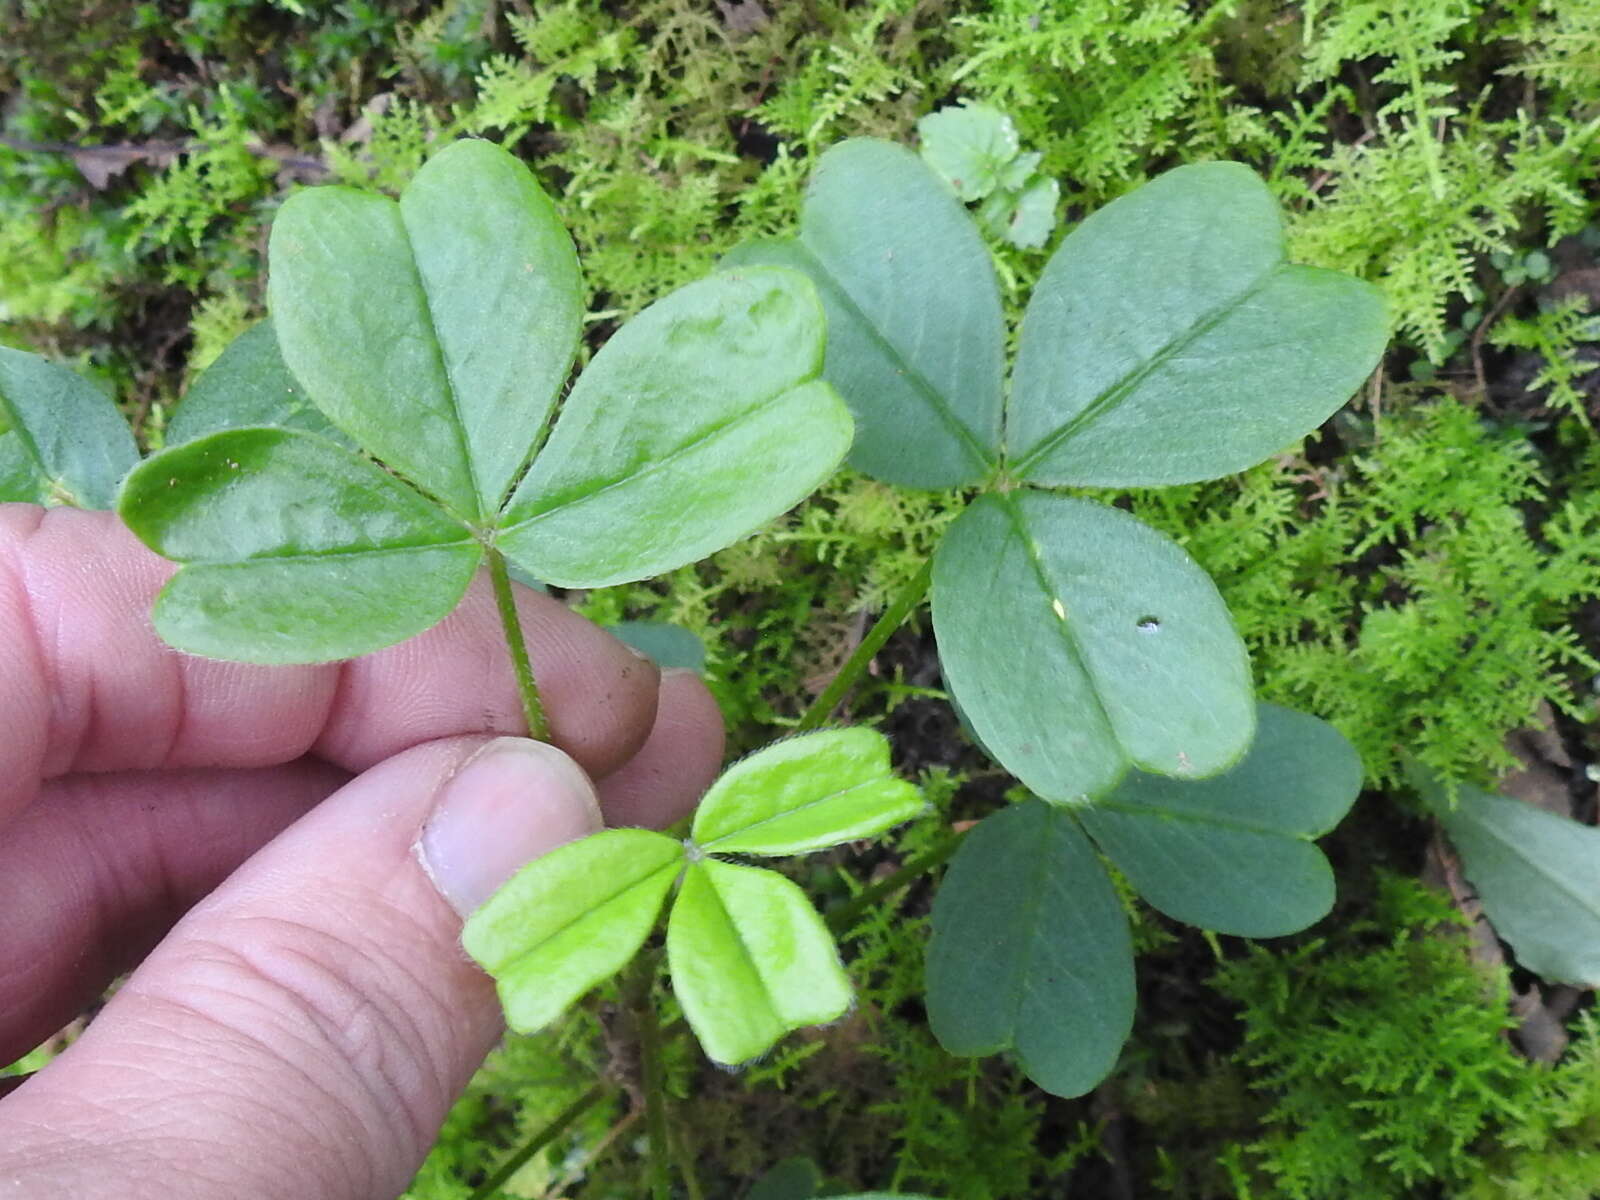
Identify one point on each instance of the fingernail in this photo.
(511, 802)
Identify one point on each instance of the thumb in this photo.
(304, 1030)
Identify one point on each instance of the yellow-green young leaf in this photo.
(1169, 340)
(1081, 642)
(750, 959)
(1030, 950)
(803, 794)
(62, 441)
(570, 919)
(699, 421)
(437, 331)
(1234, 853)
(916, 343)
(295, 549)
(249, 385)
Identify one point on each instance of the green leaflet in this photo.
(915, 337)
(570, 919)
(1537, 874)
(758, 432)
(1030, 951)
(61, 440)
(1080, 642)
(298, 546)
(805, 794)
(750, 960)
(248, 385)
(437, 332)
(1170, 341)
(383, 312)
(1234, 853)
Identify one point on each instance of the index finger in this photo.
(88, 686)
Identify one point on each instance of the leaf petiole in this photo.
(527, 688)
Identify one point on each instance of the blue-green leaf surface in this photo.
(248, 386)
(1169, 340)
(699, 421)
(916, 343)
(1031, 952)
(1234, 853)
(1537, 874)
(295, 549)
(1081, 642)
(62, 441)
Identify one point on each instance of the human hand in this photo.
(293, 849)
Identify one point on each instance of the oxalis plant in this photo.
(338, 476)
(1168, 341)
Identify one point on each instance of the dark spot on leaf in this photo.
(1149, 624)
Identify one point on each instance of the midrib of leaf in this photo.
(656, 464)
(319, 555)
(1587, 903)
(1231, 824)
(1118, 391)
(711, 847)
(48, 482)
(480, 511)
(1020, 528)
(744, 946)
(589, 912)
(930, 394)
(1031, 917)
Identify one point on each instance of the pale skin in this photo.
(300, 1015)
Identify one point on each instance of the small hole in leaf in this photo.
(1149, 624)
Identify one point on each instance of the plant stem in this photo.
(532, 710)
(893, 617)
(842, 917)
(491, 1186)
(655, 1112)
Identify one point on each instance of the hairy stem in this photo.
(893, 617)
(655, 1112)
(491, 1186)
(527, 689)
(842, 917)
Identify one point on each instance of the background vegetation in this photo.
(1425, 573)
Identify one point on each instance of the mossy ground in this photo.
(1425, 572)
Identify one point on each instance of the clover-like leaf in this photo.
(1031, 950)
(295, 549)
(62, 441)
(751, 960)
(971, 147)
(1169, 340)
(570, 919)
(1081, 642)
(700, 420)
(1537, 874)
(1234, 853)
(248, 386)
(804, 794)
(436, 331)
(915, 338)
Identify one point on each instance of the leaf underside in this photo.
(1538, 876)
(1031, 951)
(1233, 853)
(804, 794)
(751, 960)
(915, 335)
(1080, 642)
(571, 919)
